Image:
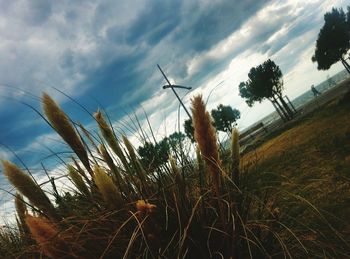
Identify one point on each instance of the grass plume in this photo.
(77, 180)
(107, 188)
(26, 186)
(205, 136)
(62, 125)
(109, 136)
(284, 206)
(47, 237)
(21, 210)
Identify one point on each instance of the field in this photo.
(313, 156)
(287, 198)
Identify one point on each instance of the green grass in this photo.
(291, 199)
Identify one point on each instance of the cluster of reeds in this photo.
(205, 208)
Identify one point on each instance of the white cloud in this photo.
(5, 154)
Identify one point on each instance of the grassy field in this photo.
(313, 157)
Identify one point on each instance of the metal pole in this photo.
(172, 88)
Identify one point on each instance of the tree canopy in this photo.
(225, 118)
(153, 156)
(333, 40)
(265, 81)
(175, 140)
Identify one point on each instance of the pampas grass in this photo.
(21, 210)
(77, 180)
(47, 237)
(25, 185)
(111, 139)
(61, 123)
(205, 136)
(105, 185)
(114, 169)
(184, 208)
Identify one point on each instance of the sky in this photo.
(104, 54)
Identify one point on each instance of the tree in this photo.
(175, 141)
(333, 40)
(153, 156)
(348, 18)
(265, 82)
(225, 118)
(189, 130)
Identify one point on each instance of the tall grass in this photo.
(203, 208)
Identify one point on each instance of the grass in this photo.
(314, 158)
(288, 198)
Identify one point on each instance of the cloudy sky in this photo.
(104, 54)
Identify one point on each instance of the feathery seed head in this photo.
(62, 125)
(46, 235)
(109, 136)
(145, 207)
(205, 136)
(106, 156)
(178, 178)
(28, 188)
(21, 208)
(77, 180)
(107, 188)
(130, 148)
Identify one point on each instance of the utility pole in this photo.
(172, 88)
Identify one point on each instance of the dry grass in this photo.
(292, 202)
(314, 159)
(306, 137)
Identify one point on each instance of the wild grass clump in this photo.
(184, 208)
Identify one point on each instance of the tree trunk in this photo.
(345, 64)
(278, 111)
(286, 107)
(285, 116)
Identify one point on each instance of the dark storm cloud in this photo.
(153, 23)
(38, 11)
(216, 21)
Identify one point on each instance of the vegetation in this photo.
(333, 41)
(265, 82)
(225, 118)
(189, 130)
(287, 198)
(180, 208)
